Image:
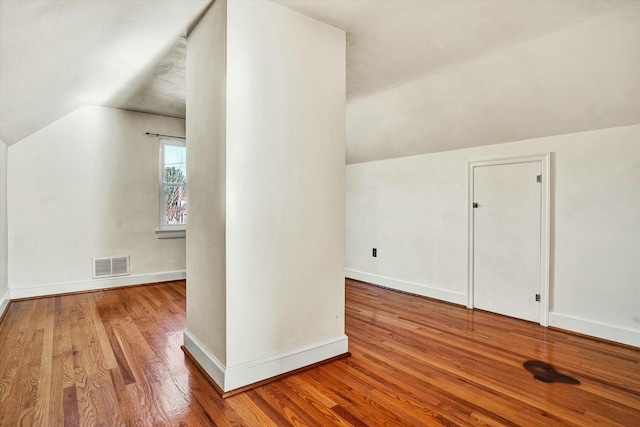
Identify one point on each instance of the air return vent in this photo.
(109, 267)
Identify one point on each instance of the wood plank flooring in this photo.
(113, 358)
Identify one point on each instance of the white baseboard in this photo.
(605, 331)
(212, 366)
(249, 373)
(234, 377)
(5, 299)
(413, 288)
(92, 285)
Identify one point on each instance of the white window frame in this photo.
(167, 231)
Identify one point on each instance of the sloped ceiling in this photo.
(429, 75)
(422, 75)
(59, 55)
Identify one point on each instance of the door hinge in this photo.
(539, 178)
(537, 297)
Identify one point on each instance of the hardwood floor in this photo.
(113, 358)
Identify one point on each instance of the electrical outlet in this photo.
(374, 252)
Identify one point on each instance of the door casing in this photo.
(545, 226)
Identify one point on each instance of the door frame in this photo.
(545, 225)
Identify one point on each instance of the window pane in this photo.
(175, 164)
(175, 205)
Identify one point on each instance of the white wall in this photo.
(206, 156)
(285, 163)
(4, 288)
(87, 186)
(414, 211)
(278, 263)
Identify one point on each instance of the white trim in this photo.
(413, 288)
(212, 366)
(269, 367)
(171, 234)
(4, 301)
(175, 140)
(92, 285)
(234, 377)
(607, 331)
(545, 226)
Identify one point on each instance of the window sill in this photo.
(171, 234)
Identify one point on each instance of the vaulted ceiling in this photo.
(434, 75)
(60, 55)
(422, 75)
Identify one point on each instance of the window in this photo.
(173, 187)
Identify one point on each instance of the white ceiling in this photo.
(391, 42)
(422, 75)
(434, 75)
(59, 55)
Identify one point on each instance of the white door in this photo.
(506, 239)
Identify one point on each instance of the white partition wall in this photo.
(206, 157)
(265, 242)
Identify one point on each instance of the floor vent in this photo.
(110, 267)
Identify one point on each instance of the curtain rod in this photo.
(158, 135)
